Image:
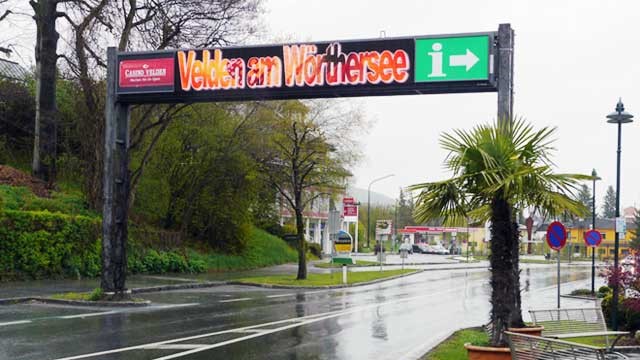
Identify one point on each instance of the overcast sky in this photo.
(573, 59)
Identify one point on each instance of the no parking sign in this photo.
(592, 238)
(556, 236)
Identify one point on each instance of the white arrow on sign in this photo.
(468, 60)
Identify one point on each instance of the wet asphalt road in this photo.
(399, 319)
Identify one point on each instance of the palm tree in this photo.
(497, 171)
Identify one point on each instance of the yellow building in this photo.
(606, 227)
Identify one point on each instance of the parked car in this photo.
(419, 249)
(406, 247)
(440, 250)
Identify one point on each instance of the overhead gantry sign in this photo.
(399, 66)
(459, 63)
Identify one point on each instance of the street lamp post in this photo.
(594, 174)
(369, 207)
(618, 117)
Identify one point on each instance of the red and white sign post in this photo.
(349, 215)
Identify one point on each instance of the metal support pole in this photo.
(369, 215)
(356, 237)
(558, 252)
(614, 308)
(505, 73)
(116, 186)
(593, 249)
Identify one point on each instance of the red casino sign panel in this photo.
(146, 75)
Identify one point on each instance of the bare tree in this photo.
(139, 25)
(4, 12)
(303, 161)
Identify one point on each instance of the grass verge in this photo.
(453, 347)
(95, 295)
(325, 279)
(263, 249)
(360, 263)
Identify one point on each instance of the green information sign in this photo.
(452, 59)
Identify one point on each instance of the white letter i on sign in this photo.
(436, 61)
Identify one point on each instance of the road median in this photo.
(324, 281)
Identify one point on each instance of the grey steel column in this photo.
(115, 185)
(505, 73)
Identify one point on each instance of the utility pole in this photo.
(505, 74)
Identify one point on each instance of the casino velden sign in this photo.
(351, 68)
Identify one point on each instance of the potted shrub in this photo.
(498, 170)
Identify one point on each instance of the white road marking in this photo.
(169, 306)
(316, 292)
(299, 321)
(15, 322)
(249, 331)
(176, 347)
(86, 315)
(136, 347)
(234, 300)
(280, 295)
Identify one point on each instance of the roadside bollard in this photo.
(344, 273)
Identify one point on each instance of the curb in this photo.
(47, 300)
(208, 284)
(341, 286)
(405, 264)
(633, 349)
(200, 285)
(580, 297)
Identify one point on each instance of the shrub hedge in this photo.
(40, 244)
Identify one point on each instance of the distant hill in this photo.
(376, 198)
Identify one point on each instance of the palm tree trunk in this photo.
(505, 310)
(516, 318)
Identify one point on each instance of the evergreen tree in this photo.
(635, 240)
(585, 197)
(405, 210)
(609, 205)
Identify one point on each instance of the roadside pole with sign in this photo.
(383, 229)
(557, 239)
(349, 215)
(342, 252)
(592, 239)
(404, 253)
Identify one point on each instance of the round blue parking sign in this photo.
(592, 238)
(556, 235)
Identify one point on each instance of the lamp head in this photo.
(619, 116)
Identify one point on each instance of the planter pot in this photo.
(487, 352)
(529, 330)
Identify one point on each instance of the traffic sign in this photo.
(460, 58)
(342, 243)
(349, 209)
(593, 238)
(621, 225)
(556, 235)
